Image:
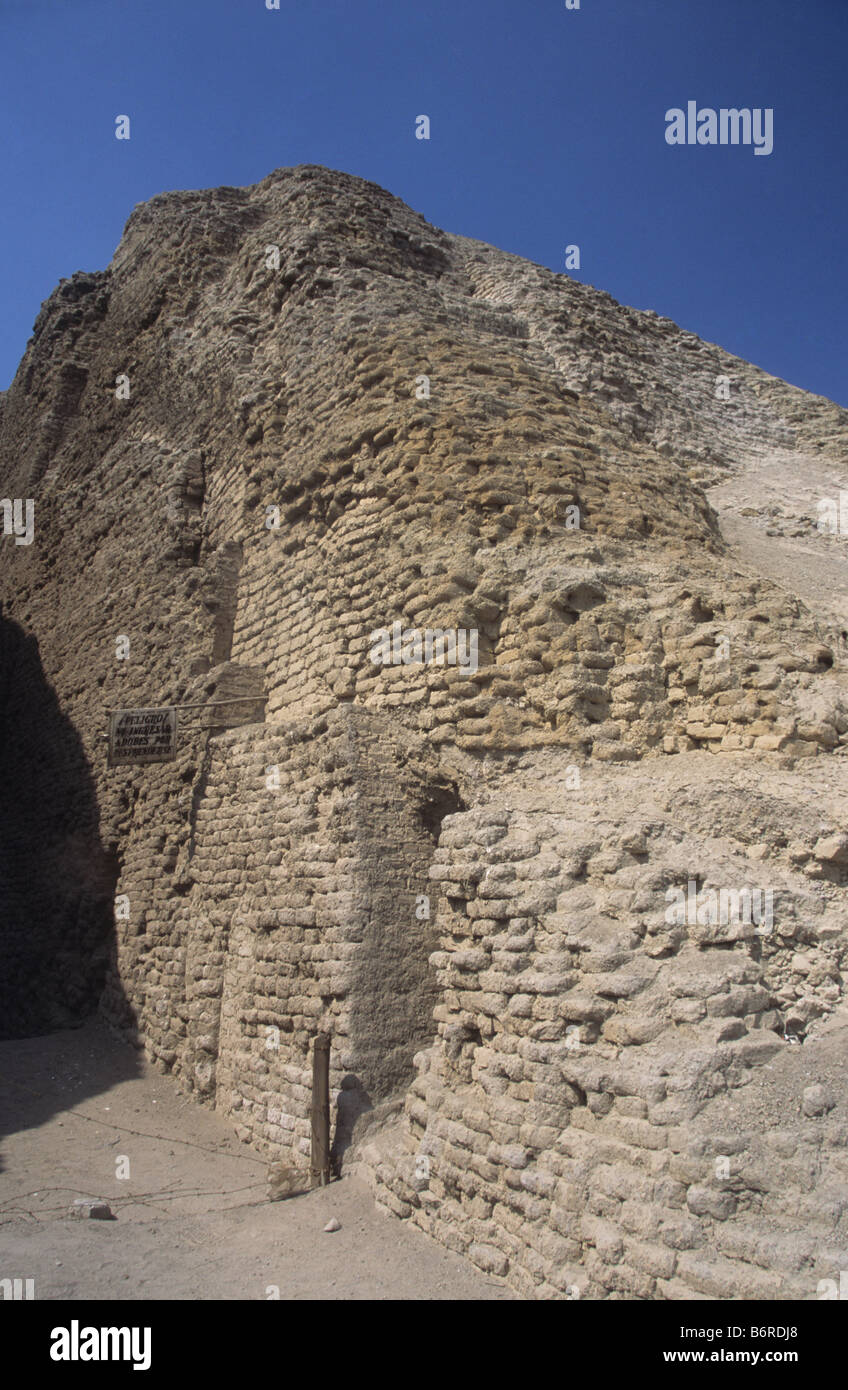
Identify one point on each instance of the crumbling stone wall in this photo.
(311, 843)
(562, 1130)
(276, 487)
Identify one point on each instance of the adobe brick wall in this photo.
(632, 648)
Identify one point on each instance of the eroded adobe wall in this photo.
(311, 842)
(584, 1121)
(612, 353)
(629, 643)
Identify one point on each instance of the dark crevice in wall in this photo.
(197, 795)
(440, 801)
(223, 598)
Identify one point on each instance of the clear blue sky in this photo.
(548, 128)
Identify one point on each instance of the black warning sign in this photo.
(142, 736)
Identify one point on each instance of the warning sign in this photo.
(142, 736)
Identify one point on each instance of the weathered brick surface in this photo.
(274, 491)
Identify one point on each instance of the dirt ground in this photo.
(192, 1220)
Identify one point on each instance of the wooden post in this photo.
(320, 1166)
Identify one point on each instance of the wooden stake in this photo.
(320, 1167)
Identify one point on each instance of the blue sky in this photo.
(547, 129)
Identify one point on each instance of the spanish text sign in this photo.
(143, 736)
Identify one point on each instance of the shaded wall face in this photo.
(57, 880)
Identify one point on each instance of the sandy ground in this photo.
(192, 1221)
